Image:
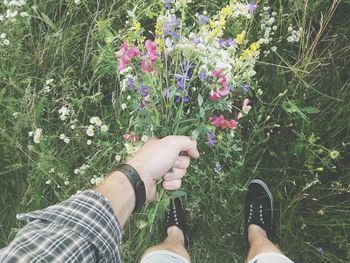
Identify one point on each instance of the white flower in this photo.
(76, 171)
(72, 126)
(48, 182)
(30, 134)
(88, 142)
(93, 180)
(64, 112)
(90, 131)
(123, 106)
(23, 14)
(104, 128)
(52, 170)
(66, 182)
(37, 135)
(274, 48)
(128, 97)
(3, 35)
(62, 136)
(6, 42)
(144, 138)
(77, 2)
(66, 140)
(49, 81)
(96, 120)
(118, 158)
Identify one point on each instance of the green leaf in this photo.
(310, 110)
(49, 22)
(200, 100)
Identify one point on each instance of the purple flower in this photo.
(223, 43)
(211, 138)
(166, 93)
(252, 7)
(217, 167)
(171, 25)
(167, 3)
(231, 42)
(181, 81)
(144, 91)
(202, 20)
(131, 83)
(320, 250)
(184, 99)
(245, 88)
(203, 75)
(195, 40)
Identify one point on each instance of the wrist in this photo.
(150, 184)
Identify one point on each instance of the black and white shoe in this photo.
(259, 207)
(175, 216)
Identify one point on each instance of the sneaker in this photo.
(175, 216)
(259, 207)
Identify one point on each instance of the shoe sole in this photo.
(259, 182)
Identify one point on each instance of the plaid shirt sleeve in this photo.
(80, 229)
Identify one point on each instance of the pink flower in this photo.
(223, 123)
(214, 96)
(245, 109)
(131, 137)
(126, 54)
(146, 67)
(216, 73)
(151, 47)
(224, 91)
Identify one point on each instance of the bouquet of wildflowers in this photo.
(196, 75)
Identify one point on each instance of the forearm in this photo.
(117, 188)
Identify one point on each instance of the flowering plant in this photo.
(193, 77)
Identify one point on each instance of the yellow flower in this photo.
(240, 38)
(254, 46)
(136, 26)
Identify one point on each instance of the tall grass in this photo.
(301, 117)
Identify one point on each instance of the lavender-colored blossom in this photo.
(252, 7)
(217, 167)
(144, 91)
(184, 99)
(167, 3)
(131, 83)
(245, 88)
(223, 43)
(203, 20)
(231, 42)
(195, 40)
(211, 138)
(181, 81)
(320, 250)
(171, 25)
(166, 93)
(203, 75)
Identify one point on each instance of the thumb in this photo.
(186, 144)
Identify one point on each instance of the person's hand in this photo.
(166, 158)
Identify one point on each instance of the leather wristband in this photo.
(137, 183)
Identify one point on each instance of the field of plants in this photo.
(263, 86)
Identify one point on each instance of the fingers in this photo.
(184, 144)
(175, 174)
(182, 162)
(172, 185)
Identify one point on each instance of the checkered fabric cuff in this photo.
(88, 214)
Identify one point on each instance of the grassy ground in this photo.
(286, 141)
